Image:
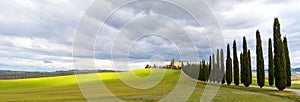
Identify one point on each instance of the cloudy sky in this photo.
(38, 35)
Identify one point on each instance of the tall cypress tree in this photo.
(235, 65)
(246, 63)
(218, 67)
(213, 68)
(209, 69)
(228, 67)
(242, 70)
(182, 65)
(271, 64)
(204, 70)
(288, 63)
(200, 76)
(223, 79)
(259, 61)
(284, 61)
(172, 64)
(222, 66)
(280, 70)
(250, 70)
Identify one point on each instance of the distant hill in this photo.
(296, 69)
(7, 74)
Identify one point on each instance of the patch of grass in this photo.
(295, 86)
(276, 93)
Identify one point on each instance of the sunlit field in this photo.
(65, 88)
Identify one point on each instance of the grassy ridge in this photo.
(60, 81)
(65, 88)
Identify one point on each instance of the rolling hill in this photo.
(65, 88)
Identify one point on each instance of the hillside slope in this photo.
(65, 88)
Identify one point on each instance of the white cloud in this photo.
(34, 43)
(239, 18)
(17, 62)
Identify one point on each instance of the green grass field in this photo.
(294, 85)
(65, 88)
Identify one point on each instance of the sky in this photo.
(38, 35)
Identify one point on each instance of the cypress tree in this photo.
(228, 67)
(222, 66)
(182, 65)
(206, 71)
(288, 63)
(223, 79)
(172, 64)
(249, 56)
(259, 61)
(203, 69)
(213, 68)
(209, 69)
(271, 64)
(284, 62)
(147, 66)
(280, 70)
(246, 63)
(242, 70)
(235, 65)
(218, 67)
(200, 76)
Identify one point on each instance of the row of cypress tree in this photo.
(203, 71)
(279, 63)
(208, 72)
(245, 62)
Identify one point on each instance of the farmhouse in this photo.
(174, 65)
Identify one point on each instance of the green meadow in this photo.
(65, 88)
